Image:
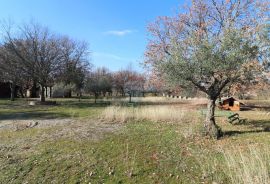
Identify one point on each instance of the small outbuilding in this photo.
(230, 103)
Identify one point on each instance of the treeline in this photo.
(101, 82)
(32, 56)
(36, 62)
(35, 59)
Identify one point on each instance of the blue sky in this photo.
(115, 29)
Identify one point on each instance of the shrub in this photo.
(61, 90)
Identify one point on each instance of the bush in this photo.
(61, 90)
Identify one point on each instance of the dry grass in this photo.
(152, 113)
(248, 167)
(158, 100)
(146, 99)
(233, 164)
(157, 109)
(259, 115)
(85, 150)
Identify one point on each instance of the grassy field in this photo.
(154, 140)
(65, 108)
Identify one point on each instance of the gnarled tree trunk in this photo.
(211, 128)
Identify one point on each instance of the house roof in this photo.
(235, 99)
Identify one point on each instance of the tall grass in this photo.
(237, 165)
(145, 99)
(248, 167)
(157, 100)
(152, 113)
(245, 165)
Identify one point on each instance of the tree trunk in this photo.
(50, 92)
(229, 92)
(34, 90)
(46, 91)
(95, 98)
(130, 97)
(80, 95)
(12, 91)
(210, 125)
(42, 95)
(219, 101)
(123, 92)
(21, 92)
(69, 94)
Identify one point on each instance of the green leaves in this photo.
(207, 46)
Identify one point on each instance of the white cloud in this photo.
(119, 32)
(111, 56)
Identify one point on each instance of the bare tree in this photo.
(38, 52)
(134, 84)
(75, 63)
(10, 69)
(99, 82)
(119, 80)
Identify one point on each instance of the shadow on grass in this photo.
(264, 126)
(71, 104)
(86, 104)
(63, 109)
(32, 115)
(259, 107)
(237, 132)
(135, 104)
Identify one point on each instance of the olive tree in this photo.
(207, 45)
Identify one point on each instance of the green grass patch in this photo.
(65, 108)
(138, 152)
(142, 152)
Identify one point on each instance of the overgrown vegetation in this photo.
(141, 150)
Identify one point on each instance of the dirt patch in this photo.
(22, 135)
(18, 125)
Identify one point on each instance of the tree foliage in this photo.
(99, 82)
(207, 46)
